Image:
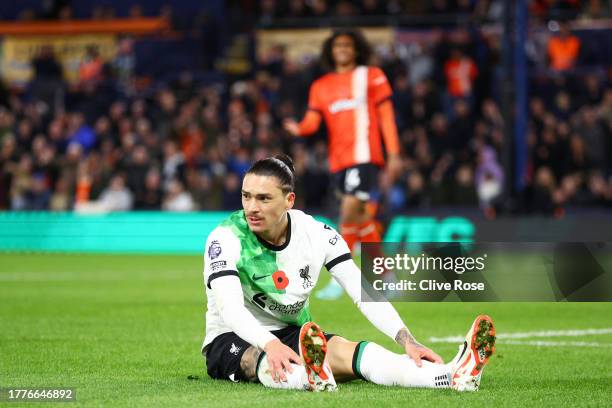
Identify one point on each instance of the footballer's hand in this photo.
(394, 166)
(292, 127)
(418, 352)
(280, 358)
(414, 349)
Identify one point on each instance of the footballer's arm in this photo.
(381, 314)
(390, 137)
(229, 299)
(312, 120)
(309, 125)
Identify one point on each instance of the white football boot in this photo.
(313, 350)
(468, 364)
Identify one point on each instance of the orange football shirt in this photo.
(348, 103)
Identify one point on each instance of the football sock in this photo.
(297, 380)
(368, 232)
(350, 233)
(381, 366)
(371, 208)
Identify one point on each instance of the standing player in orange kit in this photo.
(355, 101)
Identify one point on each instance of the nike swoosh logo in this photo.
(464, 348)
(255, 278)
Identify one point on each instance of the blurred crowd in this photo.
(268, 11)
(271, 10)
(105, 144)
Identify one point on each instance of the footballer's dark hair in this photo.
(279, 166)
(362, 48)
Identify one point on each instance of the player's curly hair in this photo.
(279, 166)
(362, 48)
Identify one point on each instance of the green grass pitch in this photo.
(127, 330)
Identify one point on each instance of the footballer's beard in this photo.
(267, 226)
(257, 223)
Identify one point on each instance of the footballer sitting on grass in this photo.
(261, 265)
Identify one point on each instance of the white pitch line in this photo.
(543, 343)
(526, 335)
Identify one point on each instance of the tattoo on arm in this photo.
(404, 337)
(248, 363)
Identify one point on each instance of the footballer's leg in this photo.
(313, 348)
(352, 216)
(254, 367)
(340, 355)
(352, 213)
(313, 375)
(373, 363)
(248, 363)
(358, 207)
(357, 225)
(361, 198)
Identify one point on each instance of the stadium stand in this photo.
(161, 124)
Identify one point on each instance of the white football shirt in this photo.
(276, 280)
